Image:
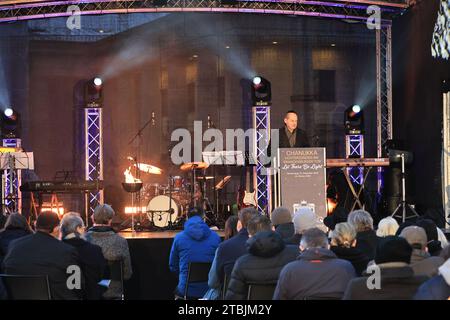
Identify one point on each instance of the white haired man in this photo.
(92, 262)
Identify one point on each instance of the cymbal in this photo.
(147, 168)
(193, 165)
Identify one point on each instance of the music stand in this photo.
(19, 161)
(14, 161)
(404, 157)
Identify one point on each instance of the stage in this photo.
(152, 279)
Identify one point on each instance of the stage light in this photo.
(256, 80)
(98, 81)
(354, 120)
(9, 112)
(261, 92)
(10, 123)
(356, 108)
(93, 94)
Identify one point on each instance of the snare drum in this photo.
(158, 211)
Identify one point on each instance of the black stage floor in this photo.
(152, 279)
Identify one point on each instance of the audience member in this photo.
(438, 287)
(16, 226)
(421, 261)
(316, 274)
(339, 215)
(114, 247)
(282, 221)
(343, 244)
(229, 251)
(92, 262)
(366, 238)
(196, 243)
(267, 255)
(230, 227)
(396, 278)
(434, 245)
(387, 227)
(442, 238)
(304, 219)
(43, 254)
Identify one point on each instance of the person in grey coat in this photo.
(114, 247)
(421, 261)
(316, 274)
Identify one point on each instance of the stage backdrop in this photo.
(302, 176)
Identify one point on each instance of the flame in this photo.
(129, 178)
(331, 204)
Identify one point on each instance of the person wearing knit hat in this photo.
(282, 221)
(421, 261)
(434, 245)
(392, 249)
(397, 280)
(304, 219)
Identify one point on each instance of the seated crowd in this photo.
(57, 246)
(288, 256)
(298, 257)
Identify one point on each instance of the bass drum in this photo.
(158, 211)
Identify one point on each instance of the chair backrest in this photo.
(197, 272)
(116, 272)
(26, 287)
(226, 280)
(261, 291)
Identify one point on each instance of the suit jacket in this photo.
(396, 283)
(93, 266)
(301, 140)
(42, 254)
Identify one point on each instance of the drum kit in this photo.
(167, 204)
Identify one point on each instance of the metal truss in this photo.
(354, 146)
(93, 156)
(12, 179)
(356, 10)
(384, 93)
(262, 183)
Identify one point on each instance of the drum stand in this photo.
(205, 203)
(170, 202)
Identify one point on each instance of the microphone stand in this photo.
(139, 135)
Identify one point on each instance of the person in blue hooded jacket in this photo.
(197, 243)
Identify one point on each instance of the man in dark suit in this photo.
(43, 254)
(290, 136)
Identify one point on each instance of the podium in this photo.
(301, 179)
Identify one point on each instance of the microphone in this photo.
(153, 118)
